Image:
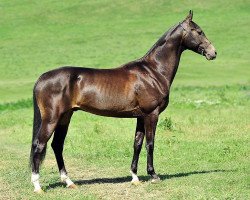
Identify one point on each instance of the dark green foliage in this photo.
(23, 103)
(166, 124)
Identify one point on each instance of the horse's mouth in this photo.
(209, 56)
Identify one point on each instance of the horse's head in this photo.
(194, 38)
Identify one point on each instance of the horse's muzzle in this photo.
(210, 52)
(211, 57)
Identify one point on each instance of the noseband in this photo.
(200, 49)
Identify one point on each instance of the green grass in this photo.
(203, 139)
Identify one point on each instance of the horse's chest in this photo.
(152, 97)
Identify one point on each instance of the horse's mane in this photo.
(163, 38)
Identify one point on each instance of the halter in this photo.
(200, 49)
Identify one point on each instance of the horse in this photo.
(139, 89)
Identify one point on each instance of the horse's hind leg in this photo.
(57, 146)
(139, 136)
(39, 150)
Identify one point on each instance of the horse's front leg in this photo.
(150, 123)
(139, 136)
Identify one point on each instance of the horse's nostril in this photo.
(215, 53)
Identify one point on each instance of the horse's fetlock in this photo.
(134, 168)
(150, 170)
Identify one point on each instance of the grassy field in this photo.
(202, 148)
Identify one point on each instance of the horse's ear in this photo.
(190, 16)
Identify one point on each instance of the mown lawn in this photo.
(203, 139)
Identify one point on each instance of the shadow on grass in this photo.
(128, 178)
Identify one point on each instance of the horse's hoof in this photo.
(72, 186)
(155, 180)
(137, 182)
(40, 191)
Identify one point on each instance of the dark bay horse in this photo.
(138, 89)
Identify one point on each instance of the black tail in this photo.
(36, 126)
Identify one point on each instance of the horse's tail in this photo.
(36, 126)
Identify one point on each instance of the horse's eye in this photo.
(199, 32)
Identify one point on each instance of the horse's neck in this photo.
(166, 58)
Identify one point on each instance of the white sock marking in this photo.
(35, 181)
(134, 177)
(66, 179)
